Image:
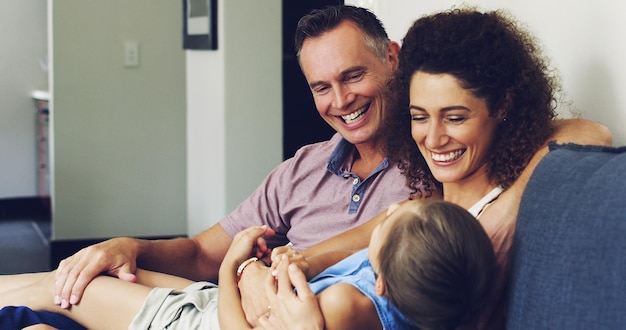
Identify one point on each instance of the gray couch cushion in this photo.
(569, 250)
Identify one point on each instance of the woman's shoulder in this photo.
(502, 212)
(499, 220)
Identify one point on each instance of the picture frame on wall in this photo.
(200, 24)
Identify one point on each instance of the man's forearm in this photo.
(197, 258)
(174, 256)
(581, 131)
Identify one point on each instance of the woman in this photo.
(481, 100)
(449, 256)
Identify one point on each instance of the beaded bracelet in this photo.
(244, 265)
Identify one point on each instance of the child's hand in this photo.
(294, 257)
(248, 242)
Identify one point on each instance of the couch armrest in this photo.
(569, 249)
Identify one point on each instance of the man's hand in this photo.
(116, 257)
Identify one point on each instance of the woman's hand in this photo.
(288, 309)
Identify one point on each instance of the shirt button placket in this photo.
(356, 194)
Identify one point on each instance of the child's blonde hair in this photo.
(437, 264)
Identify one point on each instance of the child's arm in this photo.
(230, 312)
(229, 309)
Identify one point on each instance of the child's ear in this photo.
(379, 286)
(392, 208)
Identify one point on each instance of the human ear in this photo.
(393, 49)
(392, 208)
(379, 286)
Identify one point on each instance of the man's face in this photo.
(347, 80)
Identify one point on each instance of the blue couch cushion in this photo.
(569, 249)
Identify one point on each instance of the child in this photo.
(430, 259)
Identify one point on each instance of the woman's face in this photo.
(451, 127)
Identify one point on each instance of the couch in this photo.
(569, 249)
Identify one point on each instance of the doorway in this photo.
(301, 123)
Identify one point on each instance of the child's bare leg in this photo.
(40, 327)
(107, 303)
(110, 303)
(10, 282)
(160, 280)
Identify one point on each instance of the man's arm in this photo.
(579, 131)
(197, 258)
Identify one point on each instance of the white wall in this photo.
(585, 40)
(234, 110)
(23, 37)
(119, 134)
(124, 162)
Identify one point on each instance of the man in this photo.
(325, 189)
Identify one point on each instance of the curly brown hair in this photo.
(499, 63)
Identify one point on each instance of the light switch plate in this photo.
(131, 54)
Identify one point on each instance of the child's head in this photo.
(434, 262)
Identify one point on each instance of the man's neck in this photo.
(366, 159)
